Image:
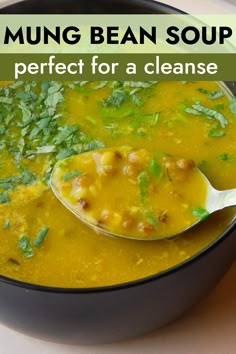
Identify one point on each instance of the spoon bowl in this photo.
(134, 194)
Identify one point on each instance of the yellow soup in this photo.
(41, 123)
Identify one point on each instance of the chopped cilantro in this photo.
(64, 153)
(91, 120)
(67, 176)
(37, 129)
(64, 133)
(83, 90)
(24, 244)
(136, 100)
(47, 175)
(126, 91)
(215, 94)
(4, 198)
(46, 149)
(151, 218)
(139, 84)
(199, 109)
(26, 113)
(90, 145)
(2, 130)
(116, 98)
(202, 165)
(232, 105)
(219, 107)
(215, 132)
(192, 111)
(155, 118)
(155, 169)
(6, 100)
(8, 183)
(40, 236)
(203, 90)
(28, 177)
(224, 157)
(149, 119)
(100, 85)
(7, 224)
(200, 213)
(143, 180)
(54, 96)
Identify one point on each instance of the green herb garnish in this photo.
(37, 128)
(215, 94)
(143, 180)
(40, 236)
(67, 176)
(202, 165)
(200, 213)
(24, 244)
(83, 90)
(202, 90)
(212, 95)
(7, 224)
(116, 98)
(4, 198)
(198, 109)
(126, 91)
(155, 169)
(151, 218)
(232, 105)
(215, 132)
(27, 176)
(192, 111)
(224, 157)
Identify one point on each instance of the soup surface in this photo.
(41, 123)
(146, 192)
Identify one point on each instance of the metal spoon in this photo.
(215, 200)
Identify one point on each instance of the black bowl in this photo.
(117, 312)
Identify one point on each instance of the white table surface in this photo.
(209, 328)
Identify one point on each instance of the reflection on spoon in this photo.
(136, 194)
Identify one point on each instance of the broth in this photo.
(41, 241)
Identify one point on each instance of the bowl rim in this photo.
(133, 283)
(154, 3)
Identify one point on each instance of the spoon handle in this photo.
(221, 199)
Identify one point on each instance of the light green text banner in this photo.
(117, 33)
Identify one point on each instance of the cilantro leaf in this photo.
(40, 236)
(202, 90)
(64, 133)
(200, 213)
(67, 176)
(151, 218)
(116, 98)
(4, 198)
(232, 105)
(7, 224)
(28, 177)
(215, 94)
(24, 244)
(155, 169)
(210, 113)
(215, 132)
(143, 180)
(224, 157)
